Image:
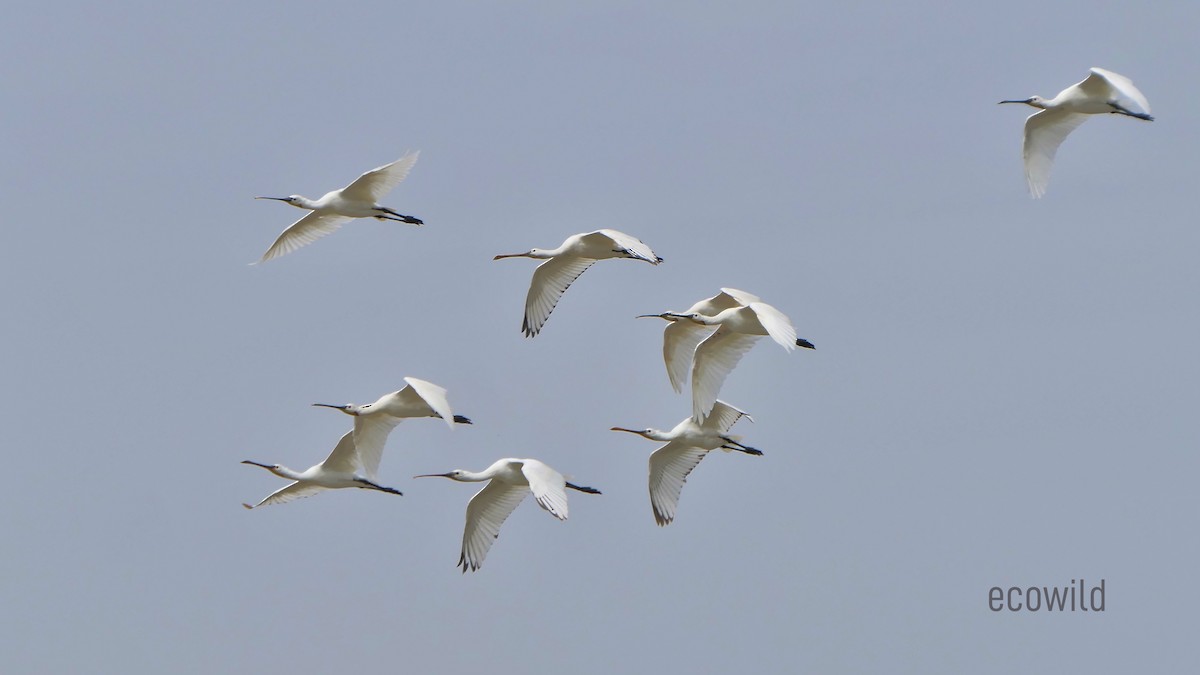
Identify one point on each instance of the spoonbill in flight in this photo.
(510, 480)
(564, 265)
(681, 335)
(1103, 91)
(687, 444)
(359, 199)
(738, 328)
(341, 469)
(374, 421)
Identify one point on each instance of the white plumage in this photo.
(359, 199)
(1102, 91)
(564, 265)
(510, 480)
(687, 444)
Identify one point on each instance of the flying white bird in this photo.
(341, 469)
(687, 444)
(1103, 91)
(738, 328)
(374, 421)
(681, 335)
(511, 479)
(359, 199)
(564, 265)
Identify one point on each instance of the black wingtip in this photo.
(801, 342)
(459, 419)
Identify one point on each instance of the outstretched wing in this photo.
(548, 487)
(486, 512)
(431, 396)
(716, 357)
(778, 326)
(374, 184)
(669, 469)
(287, 493)
(304, 232)
(370, 435)
(550, 280)
(729, 297)
(1106, 84)
(679, 345)
(344, 458)
(630, 244)
(723, 417)
(1044, 132)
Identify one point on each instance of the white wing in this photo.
(729, 297)
(1044, 132)
(681, 337)
(486, 512)
(1106, 84)
(723, 417)
(550, 280)
(679, 344)
(669, 469)
(303, 232)
(344, 458)
(631, 245)
(287, 493)
(374, 184)
(430, 396)
(778, 326)
(716, 357)
(548, 487)
(370, 435)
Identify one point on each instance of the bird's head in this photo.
(349, 408)
(531, 253)
(1035, 101)
(644, 433)
(273, 468)
(456, 474)
(294, 200)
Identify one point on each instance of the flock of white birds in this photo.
(705, 342)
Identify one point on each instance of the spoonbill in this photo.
(359, 199)
(564, 265)
(738, 328)
(341, 469)
(681, 336)
(1102, 91)
(687, 444)
(374, 421)
(510, 480)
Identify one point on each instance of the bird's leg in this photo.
(589, 490)
(374, 486)
(1118, 109)
(401, 217)
(731, 444)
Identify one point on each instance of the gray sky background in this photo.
(1003, 392)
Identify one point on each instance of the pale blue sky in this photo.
(1003, 392)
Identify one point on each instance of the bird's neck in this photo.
(284, 472)
(473, 476)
